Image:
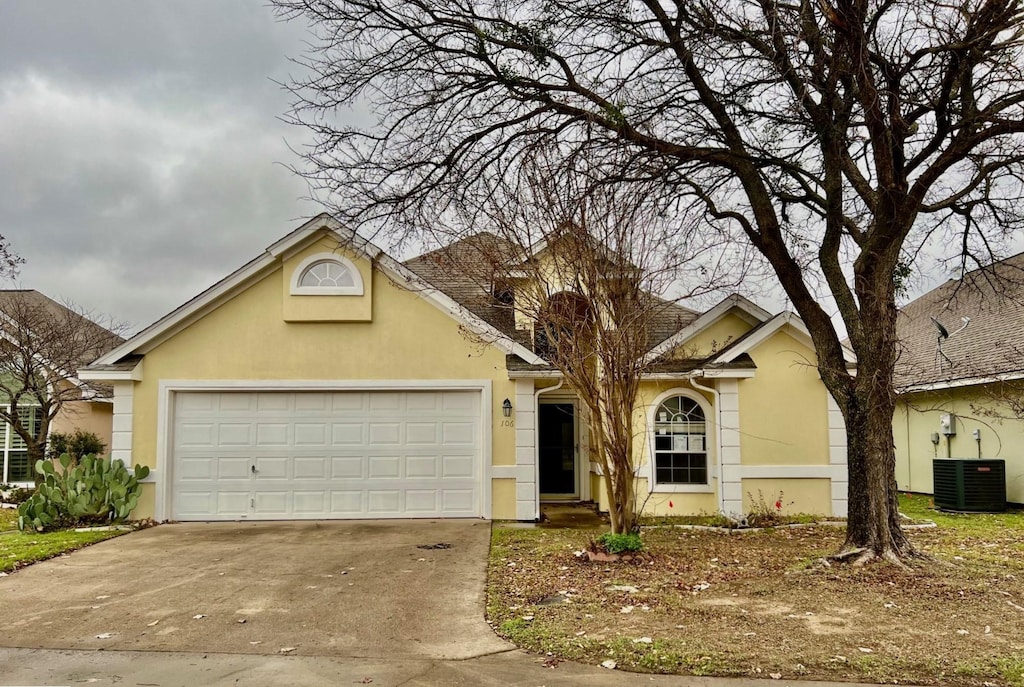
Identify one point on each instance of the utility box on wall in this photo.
(976, 485)
(947, 425)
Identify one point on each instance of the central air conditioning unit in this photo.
(972, 485)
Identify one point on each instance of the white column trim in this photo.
(730, 479)
(525, 471)
(837, 458)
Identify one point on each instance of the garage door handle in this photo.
(253, 469)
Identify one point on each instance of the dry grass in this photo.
(764, 604)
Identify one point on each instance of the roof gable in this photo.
(271, 259)
(735, 303)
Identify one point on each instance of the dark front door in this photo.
(557, 430)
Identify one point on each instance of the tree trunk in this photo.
(873, 525)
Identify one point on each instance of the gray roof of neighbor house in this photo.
(9, 298)
(992, 343)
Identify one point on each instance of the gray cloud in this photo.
(141, 158)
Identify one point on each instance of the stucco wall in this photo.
(248, 339)
(88, 416)
(917, 418)
(716, 337)
(784, 408)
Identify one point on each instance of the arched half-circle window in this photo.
(680, 442)
(326, 274)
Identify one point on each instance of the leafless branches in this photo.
(42, 345)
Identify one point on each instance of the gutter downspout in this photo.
(718, 434)
(536, 442)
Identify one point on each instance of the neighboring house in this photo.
(324, 379)
(976, 374)
(92, 412)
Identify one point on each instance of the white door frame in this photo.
(581, 466)
(165, 417)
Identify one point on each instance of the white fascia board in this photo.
(755, 314)
(534, 374)
(703, 373)
(132, 375)
(958, 383)
(783, 319)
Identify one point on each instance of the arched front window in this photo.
(680, 442)
(327, 275)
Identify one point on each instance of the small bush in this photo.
(620, 543)
(765, 514)
(76, 445)
(18, 495)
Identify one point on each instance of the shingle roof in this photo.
(11, 297)
(993, 341)
(466, 269)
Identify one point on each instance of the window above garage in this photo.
(326, 274)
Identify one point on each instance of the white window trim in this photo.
(355, 290)
(709, 418)
(6, 450)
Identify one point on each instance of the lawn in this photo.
(765, 604)
(18, 549)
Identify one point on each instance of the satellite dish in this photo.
(943, 333)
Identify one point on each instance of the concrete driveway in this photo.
(360, 589)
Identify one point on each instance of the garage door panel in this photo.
(421, 433)
(347, 468)
(459, 500)
(347, 503)
(384, 400)
(271, 401)
(234, 434)
(422, 501)
(310, 467)
(272, 467)
(458, 466)
(326, 454)
(237, 468)
(383, 467)
(346, 434)
(312, 402)
(311, 434)
(195, 434)
(385, 433)
(419, 467)
(458, 433)
(381, 501)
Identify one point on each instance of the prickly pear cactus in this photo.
(96, 490)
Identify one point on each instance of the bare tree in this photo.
(834, 136)
(578, 262)
(42, 345)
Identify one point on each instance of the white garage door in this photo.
(306, 455)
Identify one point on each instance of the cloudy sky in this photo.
(141, 158)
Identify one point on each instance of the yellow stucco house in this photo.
(324, 379)
(962, 386)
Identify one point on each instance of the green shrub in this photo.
(75, 445)
(620, 543)
(18, 495)
(96, 490)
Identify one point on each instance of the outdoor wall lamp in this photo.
(506, 408)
